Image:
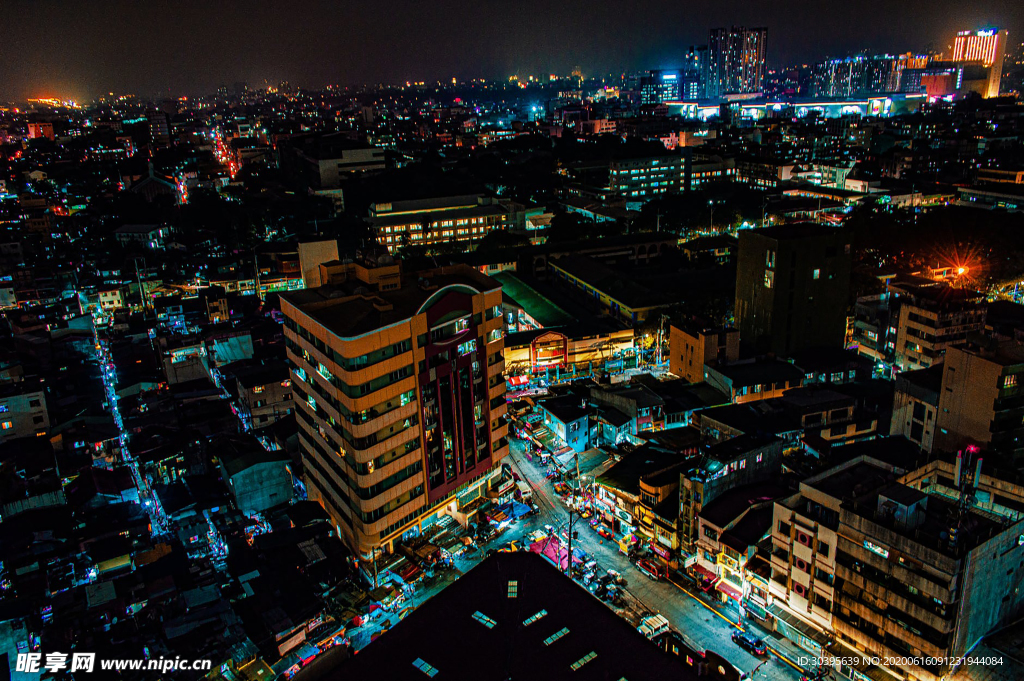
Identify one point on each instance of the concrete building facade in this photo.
(792, 284)
(400, 399)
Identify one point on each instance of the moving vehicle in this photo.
(649, 568)
(605, 533)
(653, 625)
(750, 643)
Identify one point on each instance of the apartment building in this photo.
(23, 411)
(926, 318)
(430, 222)
(691, 346)
(870, 561)
(792, 285)
(399, 397)
(724, 466)
(264, 394)
(634, 178)
(916, 406)
(980, 399)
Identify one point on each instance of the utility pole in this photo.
(568, 561)
(138, 277)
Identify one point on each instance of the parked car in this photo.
(605, 533)
(750, 643)
(649, 568)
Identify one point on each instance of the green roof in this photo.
(536, 305)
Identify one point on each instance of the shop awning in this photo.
(729, 590)
(703, 574)
(519, 510)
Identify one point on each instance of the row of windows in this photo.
(359, 390)
(360, 468)
(377, 513)
(350, 363)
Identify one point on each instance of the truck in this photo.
(653, 626)
(525, 491)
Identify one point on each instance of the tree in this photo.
(500, 239)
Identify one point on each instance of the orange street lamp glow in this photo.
(961, 271)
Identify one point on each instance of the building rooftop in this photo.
(1005, 353)
(535, 304)
(405, 218)
(928, 380)
(514, 616)
(751, 528)
(566, 409)
(760, 372)
(349, 309)
(649, 459)
(793, 232)
(863, 484)
(728, 506)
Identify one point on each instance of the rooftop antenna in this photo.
(967, 485)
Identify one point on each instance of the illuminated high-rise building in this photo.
(987, 46)
(736, 60)
(399, 393)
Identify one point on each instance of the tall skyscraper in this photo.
(736, 60)
(792, 284)
(693, 76)
(987, 46)
(399, 395)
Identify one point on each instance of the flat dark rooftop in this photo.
(343, 311)
(762, 371)
(648, 459)
(565, 409)
(446, 633)
(741, 445)
(798, 230)
(730, 505)
(858, 478)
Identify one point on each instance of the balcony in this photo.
(380, 421)
(372, 452)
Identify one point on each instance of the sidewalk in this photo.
(778, 645)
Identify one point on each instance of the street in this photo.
(700, 625)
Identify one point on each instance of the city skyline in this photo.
(187, 48)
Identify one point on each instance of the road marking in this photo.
(686, 591)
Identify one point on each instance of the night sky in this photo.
(83, 48)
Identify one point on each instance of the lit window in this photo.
(555, 636)
(583, 660)
(7, 425)
(816, 274)
(769, 279)
(1010, 381)
(875, 548)
(484, 619)
(427, 669)
(513, 588)
(257, 389)
(534, 617)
